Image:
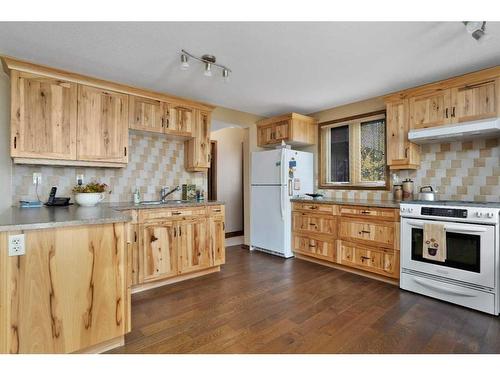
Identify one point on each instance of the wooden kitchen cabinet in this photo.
(293, 128)
(430, 110)
(102, 125)
(197, 149)
(368, 232)
(67, 293)
(159, 248)
(401, 153)
(43, 117)
(315, 246)
(475, 101)
(182, 119)
(193, 245)
(314, 224)
(146, 114)
(217, 229)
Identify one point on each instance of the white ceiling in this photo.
(277, 67)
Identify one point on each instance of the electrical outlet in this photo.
(79, 179)
(16, 245)
(37, 178)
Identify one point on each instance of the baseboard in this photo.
(348, 269)
(234, 234)
(155, 284)
(103, 346)
(245, 247)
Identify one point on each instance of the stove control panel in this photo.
(485, 215)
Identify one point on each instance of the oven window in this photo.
(462, 250)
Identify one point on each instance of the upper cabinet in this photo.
(64, 118)
(102, 125)
(146, 114)
(43, 117)
(450, 102)
(293, 128)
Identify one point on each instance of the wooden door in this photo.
(194, 249)
(217, 240)
(68, 291)
(265, 136)
(102, 125)
(43, 117)
(197, 149)
(430, 110)
(397, 133)
(474, 102)
(182, 120)
(281, 131)
(145, 114)
(159, 251)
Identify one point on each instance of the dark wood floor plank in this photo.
(259, 303)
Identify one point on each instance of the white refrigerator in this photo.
(277, 175)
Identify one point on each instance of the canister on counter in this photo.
(398, 192)
(407, 189)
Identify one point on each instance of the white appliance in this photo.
(277, 175)
(469, 276)
(464, 131)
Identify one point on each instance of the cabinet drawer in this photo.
(216, 210)
(375, 212)
(328, 209)
(314, 247)
(368, 232)
(319, 224)
(170, 213)
(384, 262)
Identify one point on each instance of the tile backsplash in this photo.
(458, 170)
(154, 162)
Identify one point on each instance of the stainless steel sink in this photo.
(169, 201)
(150, 203)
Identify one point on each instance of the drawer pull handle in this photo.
(176, 213)
(365, 212)
(313, 207)
(312, 245)
(364, 231)
(365, 258)
(217, 210)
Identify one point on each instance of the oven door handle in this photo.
(440, 288)
(447, 227)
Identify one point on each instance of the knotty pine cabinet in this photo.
(197, 150)
(102, 125)
(170, 244)
(67, 293)
(350, 237)
(43, 117)
(146, 114)
(293, 128)
(473, 96)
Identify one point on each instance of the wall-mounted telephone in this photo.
(57, 201)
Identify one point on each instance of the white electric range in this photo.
(470, 274)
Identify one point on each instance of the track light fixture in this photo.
(208, 60)
(477, 29)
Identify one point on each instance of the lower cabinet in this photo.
(358, 237)
(175, 242)
(67, 293)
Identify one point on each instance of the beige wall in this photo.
(248, 121)
(5, 161)
(230, 174)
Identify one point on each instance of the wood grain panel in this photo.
(474, 101)
(310, 223)
(159, 248)
(68, 292)
(430, 110)
(193, 246)
(146, 114)
(43, 117)
(314, 246)
(217, 240)
(367, 232)
(102, 125)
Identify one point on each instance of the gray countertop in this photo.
(350, 202)
(16, 218)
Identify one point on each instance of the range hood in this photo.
(463, 131)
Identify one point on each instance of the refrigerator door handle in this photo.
(282, 163)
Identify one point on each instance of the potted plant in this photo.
(90, 194)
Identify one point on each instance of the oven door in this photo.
(470, 251)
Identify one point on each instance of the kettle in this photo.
(427, 193)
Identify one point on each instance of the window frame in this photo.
(354, 162)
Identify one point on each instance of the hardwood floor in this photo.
(259, 303)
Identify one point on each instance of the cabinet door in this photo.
(217, 240)
(430, 110)
(68, 291)
(194, 249)
(43, 117)
(145, 114)
(265, 135)
(102, 125)
(318, 224)
(474, 102)
(182, 120)
(197, 149)
(314, 247)
(158, 243)
(281, 131)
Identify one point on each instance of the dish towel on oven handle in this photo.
(434, 243)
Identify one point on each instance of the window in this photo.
(353, 153)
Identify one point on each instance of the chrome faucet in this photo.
(164, 193)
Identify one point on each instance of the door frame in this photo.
(212, 172)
